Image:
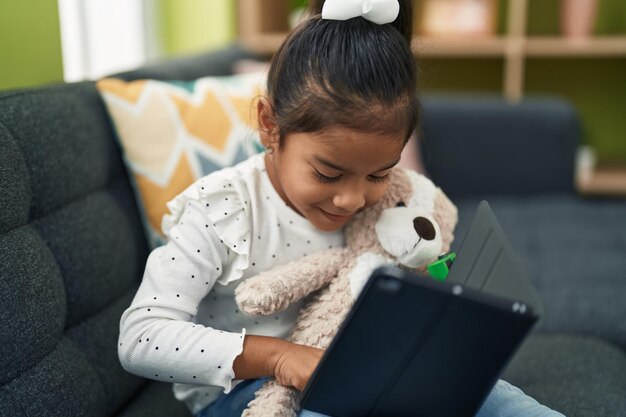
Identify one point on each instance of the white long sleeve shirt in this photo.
(183, 325)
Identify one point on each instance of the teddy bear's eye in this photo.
(401, 204)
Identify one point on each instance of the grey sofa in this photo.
(72, 250)
(520, 158)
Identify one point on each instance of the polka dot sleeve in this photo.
(158, 339)
(227, 206)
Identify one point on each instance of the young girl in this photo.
(341, 104)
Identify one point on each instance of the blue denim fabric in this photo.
(505, 400)
(233, 403)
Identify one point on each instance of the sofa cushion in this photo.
(578, 376)
(155, 399)
(574, 253)
(531, 145)
(72, 252)
(55, 149)
(173, 133)
(16, 194)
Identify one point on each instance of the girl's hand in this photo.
(295, 365)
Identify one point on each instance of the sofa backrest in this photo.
(213, 63)
(485, 146)
(72, 247)
(72, 252)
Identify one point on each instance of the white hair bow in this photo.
(377, 11)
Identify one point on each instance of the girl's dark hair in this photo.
(353, 73)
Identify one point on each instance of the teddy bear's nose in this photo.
(424, 228)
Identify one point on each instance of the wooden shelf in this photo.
(550, 47)
(446, 47)
(268, 43)
(263, 29)
(554, 47)
(459, 47)
(604, 182)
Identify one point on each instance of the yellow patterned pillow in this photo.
(175, 132)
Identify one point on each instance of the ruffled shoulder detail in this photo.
(227, 207)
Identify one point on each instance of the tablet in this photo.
(487, 262)
(413, 346)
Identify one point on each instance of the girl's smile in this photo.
(329, 176)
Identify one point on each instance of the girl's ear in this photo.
(268, 129)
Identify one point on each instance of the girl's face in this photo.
(329, 176)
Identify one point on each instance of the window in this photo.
(100, 37)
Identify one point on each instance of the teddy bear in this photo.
(409, 227)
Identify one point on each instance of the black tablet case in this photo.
(412, 346)
(486, 262)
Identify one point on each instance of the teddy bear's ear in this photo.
(423, 191)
